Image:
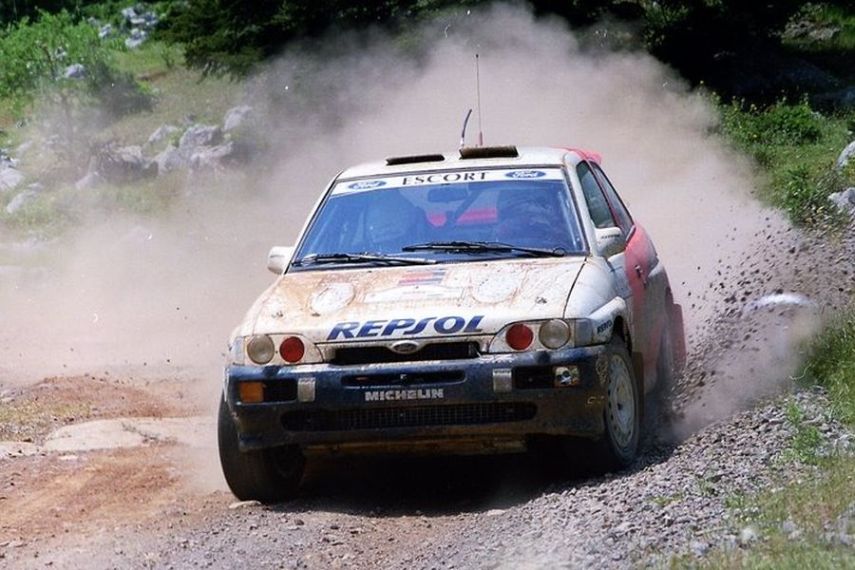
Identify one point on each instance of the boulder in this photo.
(200, 135)
(213, 157)
(162, 133)
(136, 39)
(171, 159)
(121, 164)
(845, 156)
(75, 71)
(844, 200)
(10, 178)
(236, 116)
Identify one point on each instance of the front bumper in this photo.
(491, 401)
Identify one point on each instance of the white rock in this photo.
(242, 504)
(10, 178)
(846, 155)
(235, 117)
(844, 200)
(748, 535)
(75, 71)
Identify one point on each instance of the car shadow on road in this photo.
(439, 486)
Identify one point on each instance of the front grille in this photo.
(403, 417)
(349, 356)
(405, 379)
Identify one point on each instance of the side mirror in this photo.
(610, 241)
(279, 258)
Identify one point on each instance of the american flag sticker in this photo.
(423, 277)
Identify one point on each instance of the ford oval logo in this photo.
(525, 174)
(367, 184)
(405, 347)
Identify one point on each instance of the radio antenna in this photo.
(478, 98)
(463, 132)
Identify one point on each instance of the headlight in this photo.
(260, 349)
(554, 333)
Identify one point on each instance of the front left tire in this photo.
(266, 475)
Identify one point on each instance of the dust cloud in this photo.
(158, 297)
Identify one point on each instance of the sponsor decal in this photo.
(405, 326)
(525, 174)
(447, 177)
(443, 178)
(423, 277)
(604, 326)
(412, 394)
(367, 184)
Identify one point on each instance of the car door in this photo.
(641, 266)
(603, 216)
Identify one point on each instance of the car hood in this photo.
(413, 301)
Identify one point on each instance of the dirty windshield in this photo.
(448, 216)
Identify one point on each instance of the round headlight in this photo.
(260, 349)
(554, 333)
(519, 336)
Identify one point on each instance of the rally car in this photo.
(469, 302)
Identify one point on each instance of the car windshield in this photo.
(447, 216)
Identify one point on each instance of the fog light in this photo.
(567, 376)
(554, 333)
(251, 392)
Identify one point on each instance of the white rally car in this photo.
(468, 302)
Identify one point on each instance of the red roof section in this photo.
(588, 155)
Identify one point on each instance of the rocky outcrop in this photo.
(118, 165)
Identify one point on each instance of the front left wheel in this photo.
(619, 445)
(266, 475)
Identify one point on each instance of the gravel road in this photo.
(135, 508)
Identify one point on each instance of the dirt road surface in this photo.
(119, 471)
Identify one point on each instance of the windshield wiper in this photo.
(323, 258)
(484, 247)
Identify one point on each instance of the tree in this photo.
(64, 64)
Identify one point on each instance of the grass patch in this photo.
(798, 525)
(832, 365)
(797, 147)
(32, 420)
(807, 439)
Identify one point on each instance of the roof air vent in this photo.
(393, 160)
(489, 152)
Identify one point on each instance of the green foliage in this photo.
(797, 147)
(832, 364)
(34, 56)
(806, 440)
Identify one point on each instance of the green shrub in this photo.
(797, 148)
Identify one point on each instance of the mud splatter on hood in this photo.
(499, 291)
